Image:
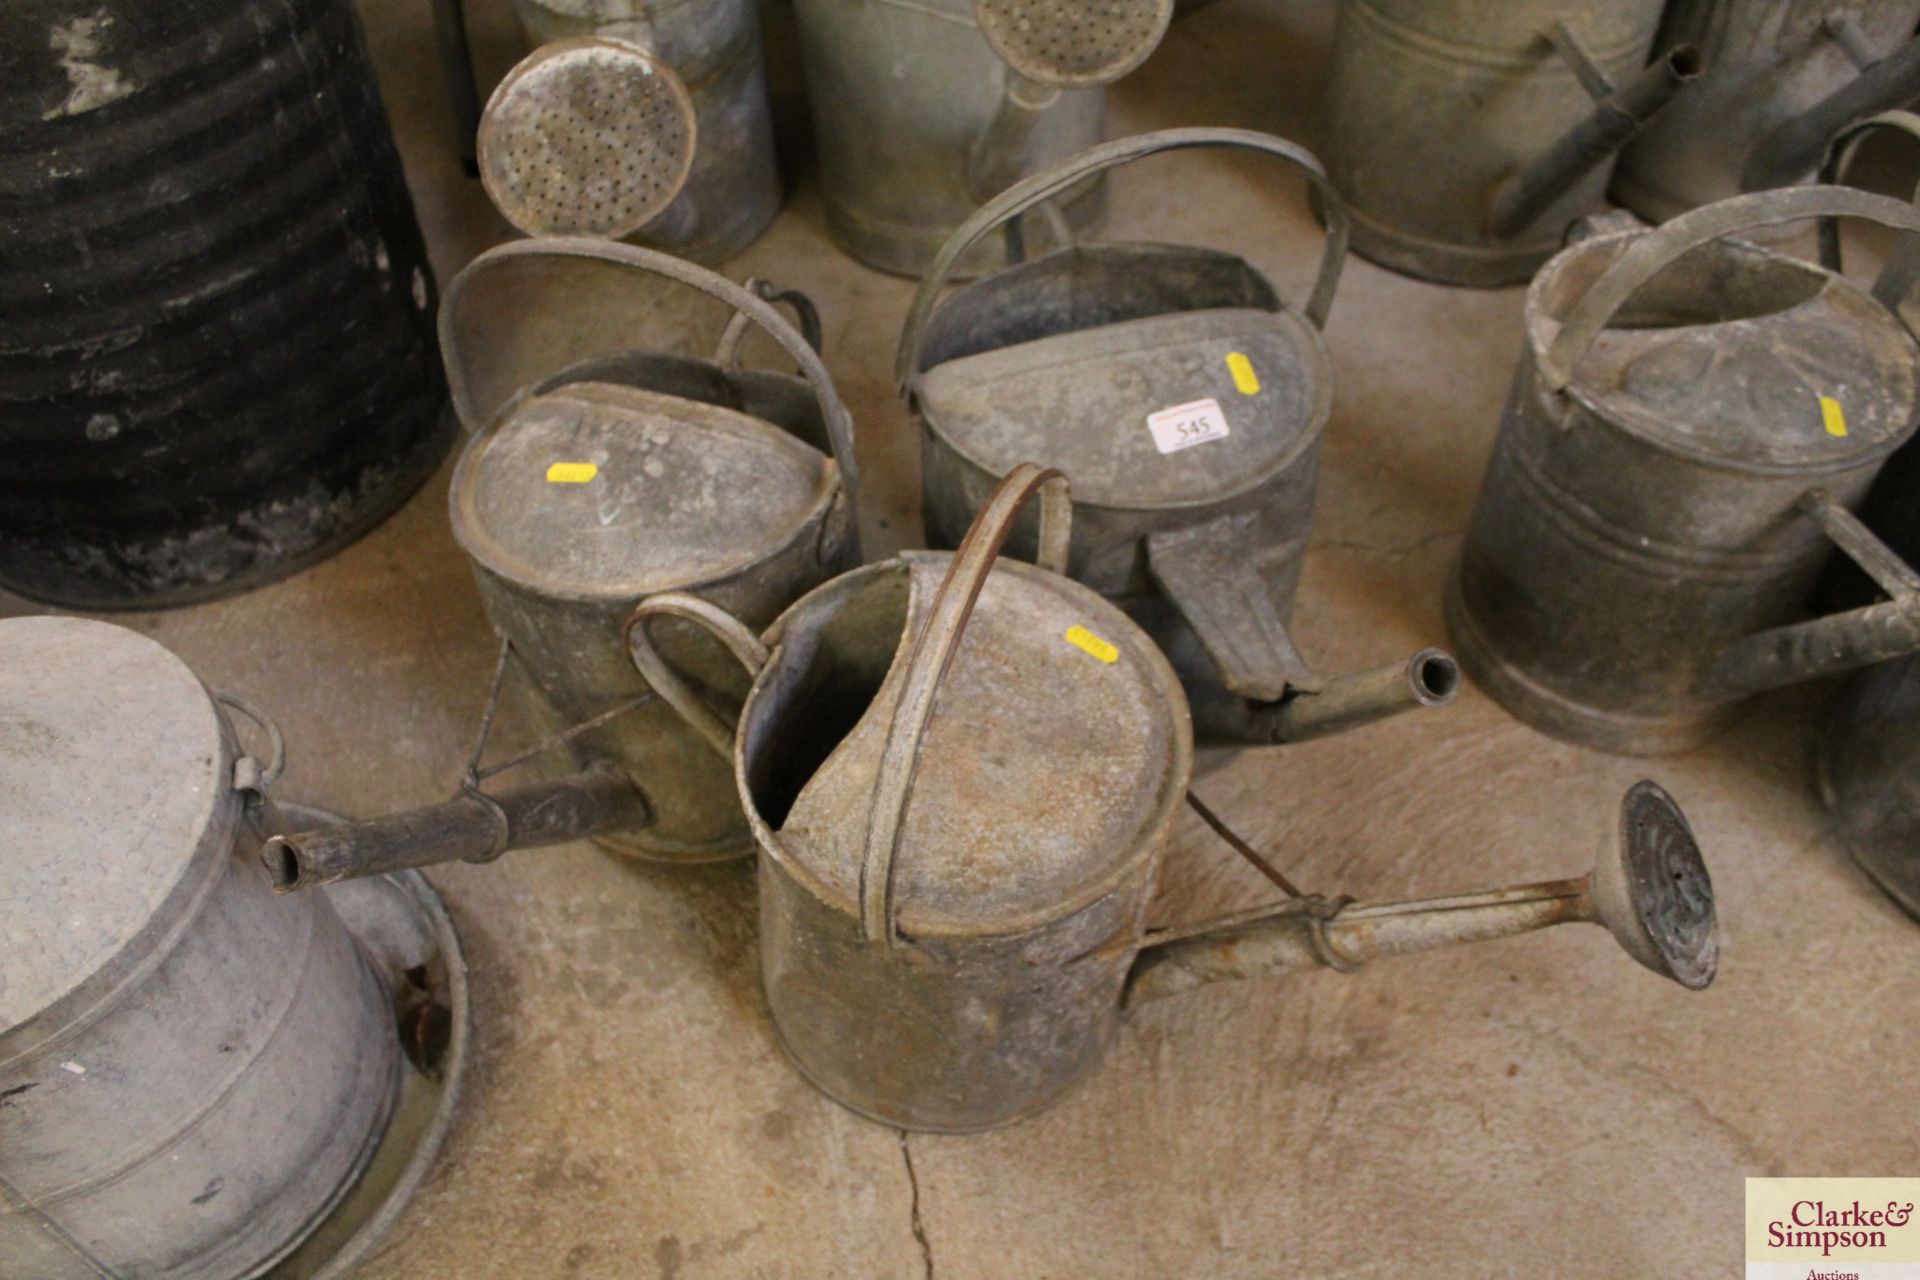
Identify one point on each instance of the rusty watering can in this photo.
(924, 108)
(961, 776)
(1692, 420)
(1465, 137)
(641, 118)
(1188, 400)
(1867, 768)
(200, 1080)
(1782, 77)
(621, 476)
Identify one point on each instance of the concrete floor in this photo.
(1538, 1107)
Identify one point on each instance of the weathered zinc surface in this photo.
(216, 315)
(1691, 420)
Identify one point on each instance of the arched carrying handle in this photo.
(1901, 274)
(1045, 185)
(459, 386)
(931, 656)
(1654, 251)
(665, 681)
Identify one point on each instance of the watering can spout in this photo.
(1328, 705)
(1649, 889)
(1617, 118)
(1792, 149)
(471, 827)
(1265, 692)
(1430, 678)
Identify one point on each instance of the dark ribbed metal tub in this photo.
(217, 352)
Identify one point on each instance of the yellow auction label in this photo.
(1833, 416)
(1084, 640)
(1243, 375)
(1860, 1228)
(571, 472)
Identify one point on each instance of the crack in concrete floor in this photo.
(919, 1222)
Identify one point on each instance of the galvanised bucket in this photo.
(1692, 419)
(1466, 136)
(196, 1076)
(1187, 399)
(1781, 77)
(961, 776)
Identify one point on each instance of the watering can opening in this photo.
(1085, 287)
(838, 645)
(1058, 738)
(778, 398)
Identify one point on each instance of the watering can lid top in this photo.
(111, 774)
(1058, 749)
(1190, 406)
(598, 490)
(1827, 378)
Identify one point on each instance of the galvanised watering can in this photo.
(1188, 399)
(1781, 78)
(924, 108)
(1692, 420)
(1466, 136)
(623, 475)
(201, 1080)
(961, 774)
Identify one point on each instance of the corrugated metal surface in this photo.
(217, 359)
